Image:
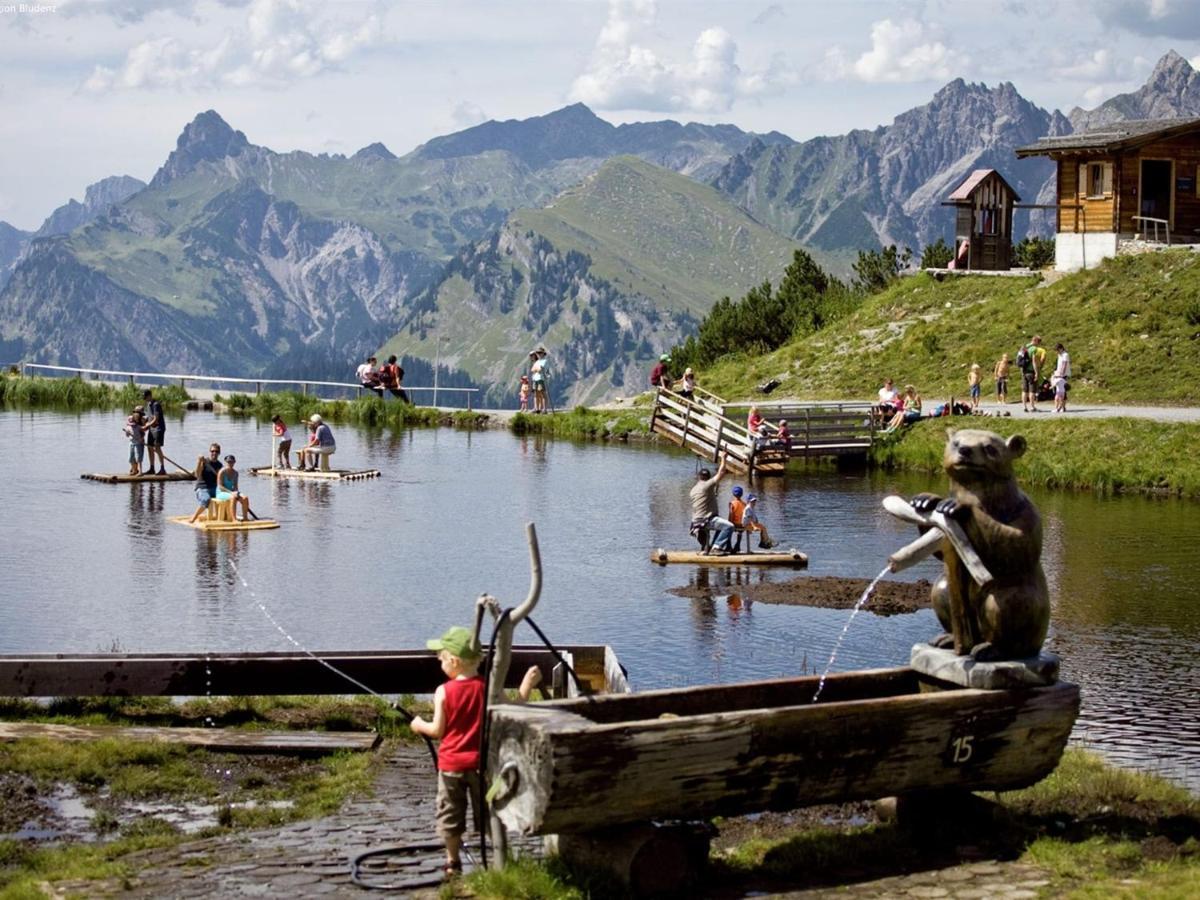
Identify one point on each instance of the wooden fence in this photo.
(704, 426)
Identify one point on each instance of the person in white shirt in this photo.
(888, 403)
(1062, 373)
(368, 376)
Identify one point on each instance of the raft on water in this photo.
(110, 478)
(203, 524)
(698, 557)
(330, 475)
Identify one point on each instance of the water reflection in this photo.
(385, 563)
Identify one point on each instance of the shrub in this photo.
(936, 255)
(1034, 252)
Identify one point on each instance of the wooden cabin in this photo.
(1124, 182)
(983, 221)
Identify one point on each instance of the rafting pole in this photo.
(175, 464)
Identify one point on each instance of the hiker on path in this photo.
(1061, 377)
(1000, 372)
(974, 377)
(156, 430)
(659, 376)
(537, 376)
(1031, 361)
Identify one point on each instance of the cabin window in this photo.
(1097, 180)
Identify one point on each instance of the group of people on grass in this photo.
(895, 409)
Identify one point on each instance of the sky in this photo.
(92, 88)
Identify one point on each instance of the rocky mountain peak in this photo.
(207, 138)
(374, 151)
(97, 200)
(1171, 91)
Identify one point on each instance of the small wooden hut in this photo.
(1135, 179)
(983, 221)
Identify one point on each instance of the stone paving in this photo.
(312, 858)
(305, 859)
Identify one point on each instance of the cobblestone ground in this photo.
(306, 859)
(312, 858)
(972, 881)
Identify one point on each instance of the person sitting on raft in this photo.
(742, 514)
(705, 520)
(227, 488)
(320, 443)
(207, 470)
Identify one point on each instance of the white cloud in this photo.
(466, 114)
(1175, 19)
(1099, 65)
(131, 12)
(282, 41)
(626, 73)
(900, 52)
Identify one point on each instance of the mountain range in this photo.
(604, 243)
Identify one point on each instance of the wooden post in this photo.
(717, 443)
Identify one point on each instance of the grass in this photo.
(75, 393)
(1097, 830)
(1131, 327)
(581, 423)
(1102, 455)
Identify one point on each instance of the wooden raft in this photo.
(586, 764)
(122, 479)
(225, 525)
(215, 739)
(697, 557)
(318, 475)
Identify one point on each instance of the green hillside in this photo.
(1132, 327)
(662, 235)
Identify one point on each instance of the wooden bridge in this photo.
(704, 426)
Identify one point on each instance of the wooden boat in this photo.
(694, 753)
(316, 475)
(225, 524)
(110, 478)
(764, 558)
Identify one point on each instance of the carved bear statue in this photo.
(1006, 618)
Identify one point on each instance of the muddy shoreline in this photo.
(825, 591)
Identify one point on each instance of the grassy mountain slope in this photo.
(661, 235)
(610, 274)
(1132, 327)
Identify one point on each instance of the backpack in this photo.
(1024, 361)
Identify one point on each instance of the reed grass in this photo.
(582, 423)
(368, 411)
(75, 393)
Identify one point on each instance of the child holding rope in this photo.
(457, 724)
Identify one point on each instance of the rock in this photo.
(946, 665)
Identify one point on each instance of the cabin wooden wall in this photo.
(1185, 151)
(1094, 214)
(1115, 212)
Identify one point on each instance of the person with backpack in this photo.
(391, 376)
(1030, 360)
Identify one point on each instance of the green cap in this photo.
(456, 641)
(664, 358)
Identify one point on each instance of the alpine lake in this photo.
(386, 563)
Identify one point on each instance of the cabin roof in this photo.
(1110, 138)
(976, 178)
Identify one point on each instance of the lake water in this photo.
(389, 562)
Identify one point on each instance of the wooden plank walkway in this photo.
(703, 426)
(215, 739)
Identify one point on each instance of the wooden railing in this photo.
(219, 380)
(704, 426)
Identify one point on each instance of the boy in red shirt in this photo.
(457, 723)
